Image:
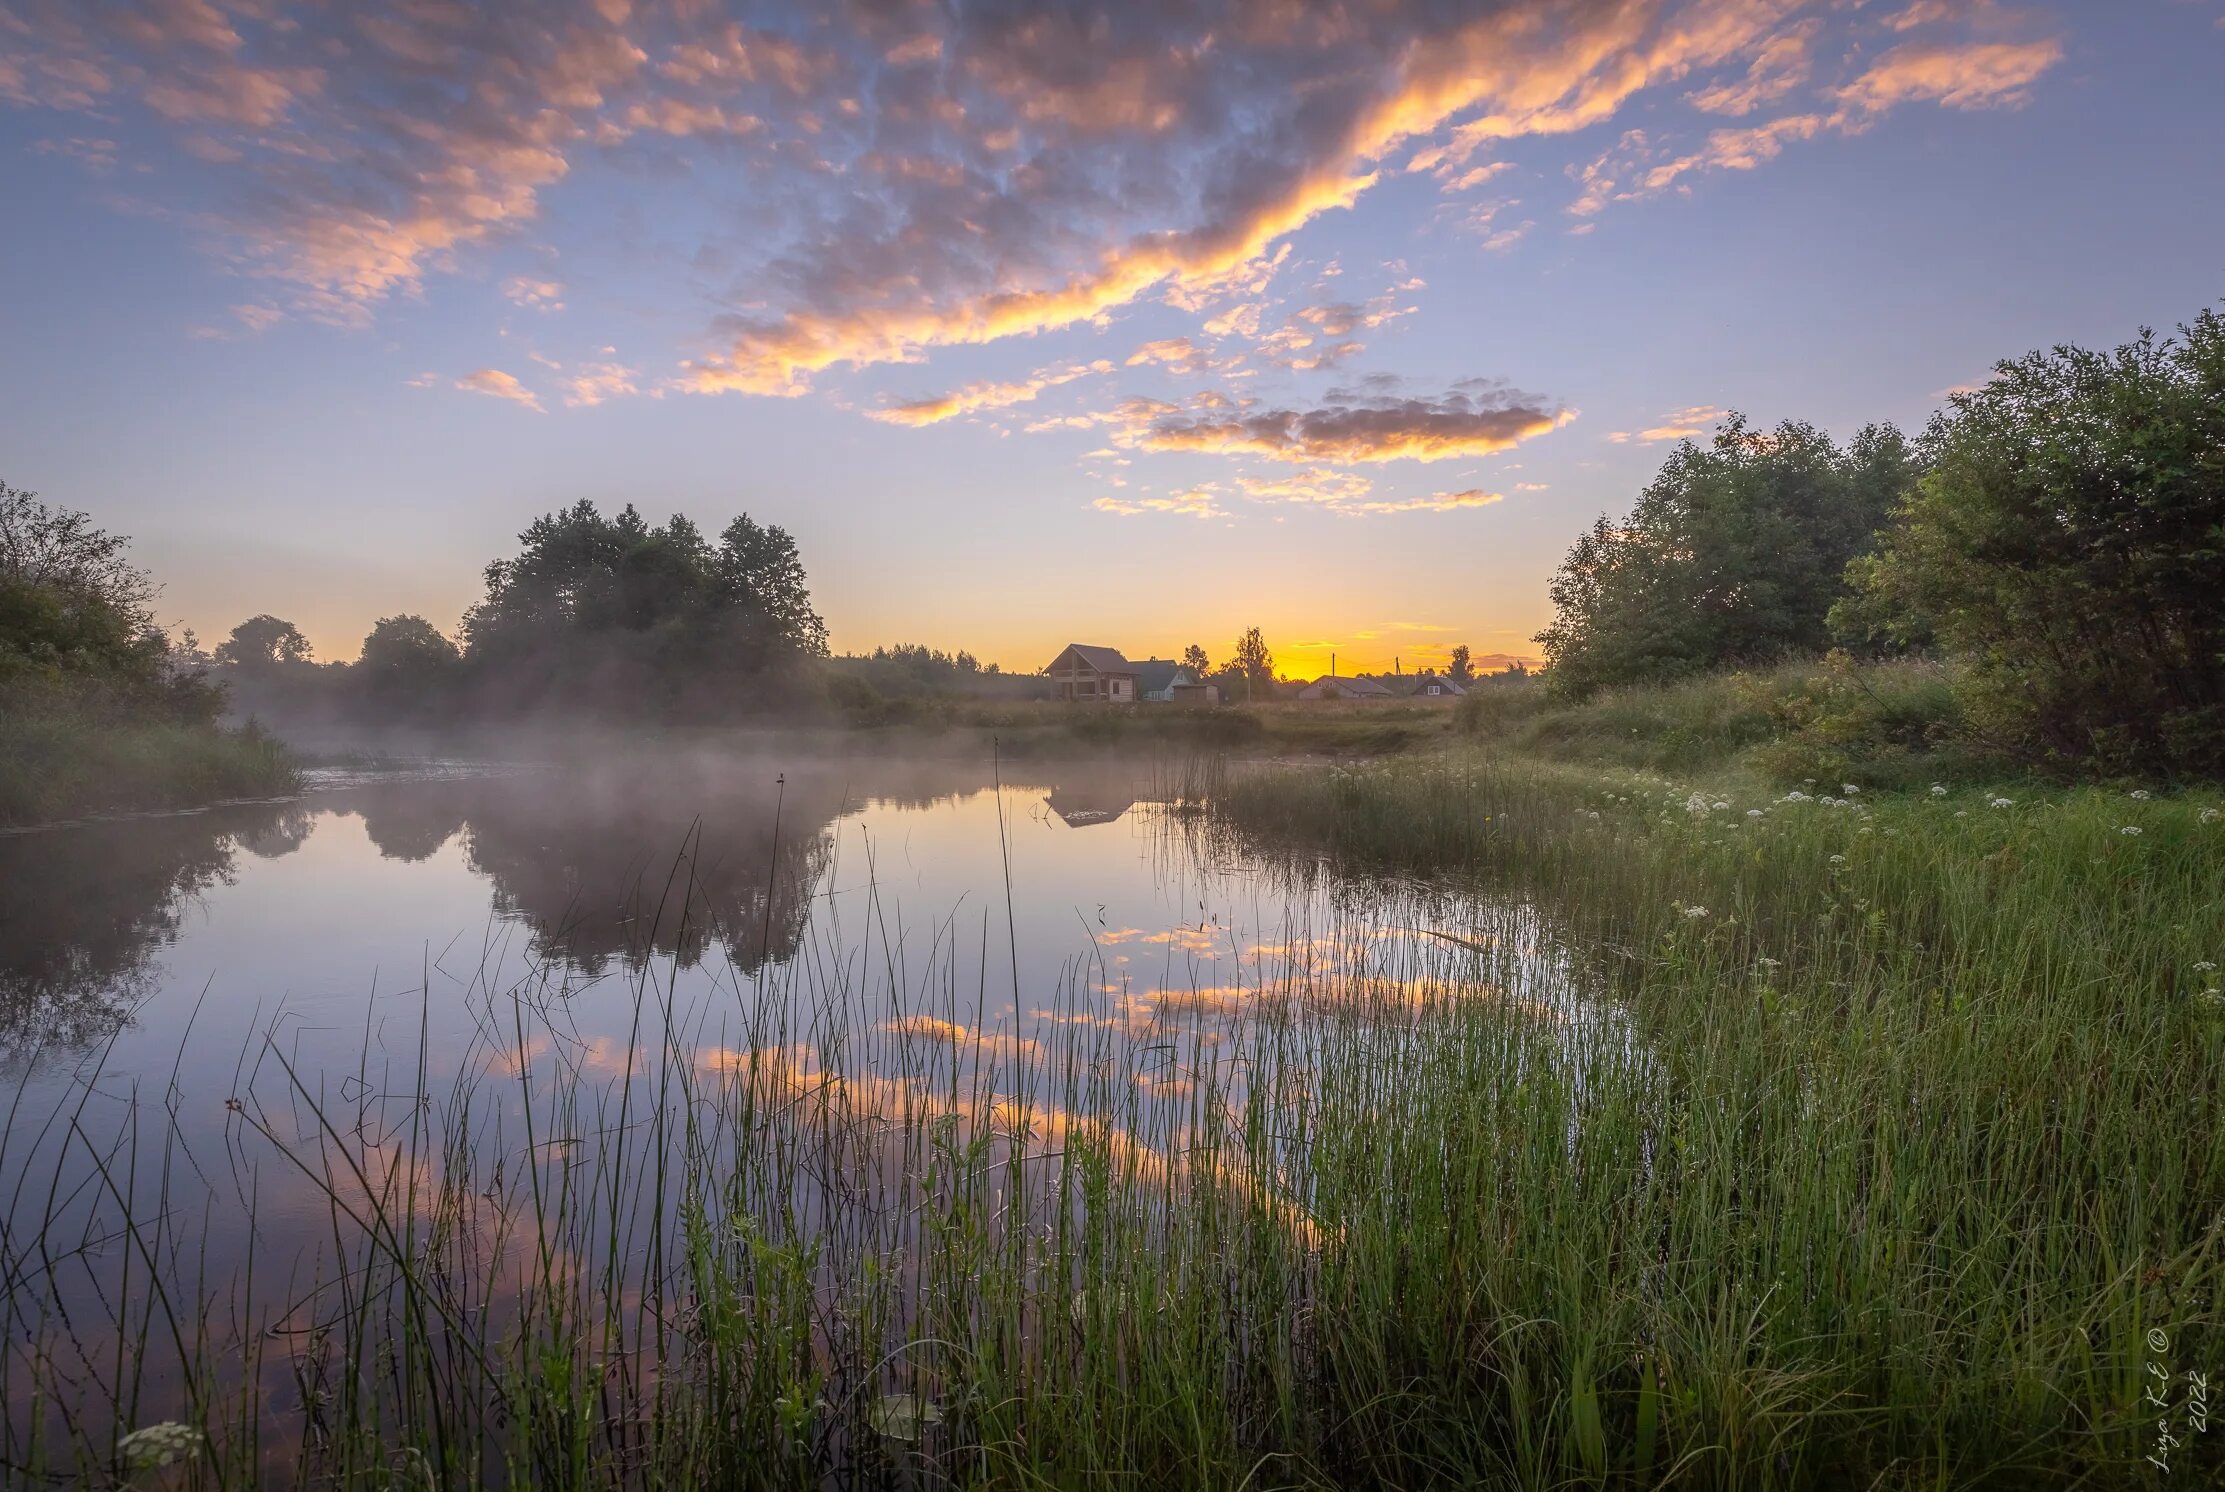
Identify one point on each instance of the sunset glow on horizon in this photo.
(1131, 324)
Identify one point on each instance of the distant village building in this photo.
(1093, 675)
(1097, 675)
(1169, 683)
(1435, 686)
(1339, 686)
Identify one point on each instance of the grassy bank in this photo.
(1926, 1185)
(58, 765)
(1879, 725)
(1727, 1140)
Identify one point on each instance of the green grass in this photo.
(1871, 1143)
(1932, 1144)
(66, 764)
(1880, 725)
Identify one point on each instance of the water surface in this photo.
(213, 1024)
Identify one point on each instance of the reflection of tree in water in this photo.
(84, 909)
(583, 858)
(412, 821)
(632, 864)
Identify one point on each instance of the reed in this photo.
(1586, 1131)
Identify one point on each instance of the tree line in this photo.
(595, 612)
(2055, 538)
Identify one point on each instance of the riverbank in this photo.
(57, 766)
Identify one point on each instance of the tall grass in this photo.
(56, 765)
(1580, 1134)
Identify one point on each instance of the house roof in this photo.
(1154, 674)
(1104, 660)
(1446, 682)
(1348, 685)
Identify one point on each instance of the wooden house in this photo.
(1093, 675)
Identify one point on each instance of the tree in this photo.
(406, 652)
(1253, 665)
(1734, 554)
(263, 642)
(76, 624)
(1193, 659)
(2066, 545)
(1461, 671)
(614, 610)
(60, 549)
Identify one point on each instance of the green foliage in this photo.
(2068, 544)
(263, 642)
(1889, 724)
(1194, 659)
(60, 762)
(614, 611)
(1732, 556)
(97, 711)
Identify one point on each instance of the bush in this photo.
(2067, 546)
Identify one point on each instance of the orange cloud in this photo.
(979, 396)
(1197, 502)
(1782, 64)
(1686, 424)
(496, 384)
(594, 383)
(1977, 75)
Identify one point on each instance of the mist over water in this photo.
(292, 994)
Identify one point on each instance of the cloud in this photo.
(1974, 75)
(1311, 485)
(1352, 428)
(596, 383)
(866, 183)
(1443, 502)
(1176, 355)
(496, 384)
(978, 396)
(1197, 502)
(1782, 65)
(1953, 72)
(95, 154)
(1686, 424)
(541, 295)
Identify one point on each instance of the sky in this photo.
(1132, 323)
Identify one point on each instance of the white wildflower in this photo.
(1962, 813)
(2209, 815)
(1939, 790)
(1753, 813)
(1720, 807)
(1838, 859)
(2130, 829)
(1693, 913)
(2139, 795)
(158, 1445)
(2000, 803)
(2204, 966)
(1849, 789)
